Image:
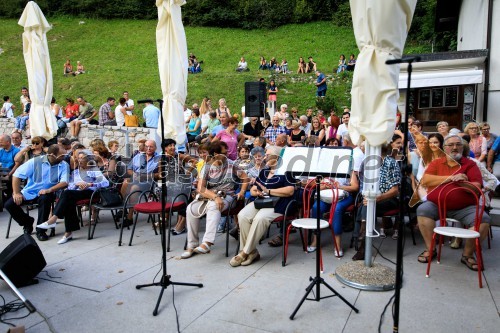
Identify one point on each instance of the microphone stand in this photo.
(402, 193)
(165, 278)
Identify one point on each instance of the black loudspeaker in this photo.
(447, 13)
(255, 99)
(22, 260)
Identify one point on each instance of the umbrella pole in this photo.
(370, 192)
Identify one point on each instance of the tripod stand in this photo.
(317, 281)
(165, 278)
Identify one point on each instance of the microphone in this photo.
(403, 60)
(142, 101)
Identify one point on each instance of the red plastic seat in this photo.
(154, 207)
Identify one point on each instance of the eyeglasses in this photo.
(35, 143)
(486, 129)
(474, 128)
(454, 145)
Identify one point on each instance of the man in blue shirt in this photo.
(7, 153)
(45, 175)
(321, 84)
(151, 114)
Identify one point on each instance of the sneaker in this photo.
(339, 253)
(382, 233)
(395, 235)
(175, 232)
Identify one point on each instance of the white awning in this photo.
(441, 78)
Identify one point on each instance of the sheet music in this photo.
(315, 160)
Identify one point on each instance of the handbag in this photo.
(266, 202)
(110, 197)
(131, 120)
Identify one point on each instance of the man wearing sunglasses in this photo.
(44, 175)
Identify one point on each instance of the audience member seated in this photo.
(297, 135)
(84, 180)
(86, 115)
(215, 193)
(222, 108)
(342, 64)
(390, 178)
(478, 144)
(106, 114)
(452, 168)
(45, 176)
(273, 131)
(301, 66)
(252, 130)
(8, 108)
(17, 140)
(208, 128)
(263, 63)
(195, 66)
(318, 131)
(7, 162)
(260, 142)
(352, 63)
(22, 120)
(273, 64)
(37, 148)
(71, 111)
(311, 66)
(68, 68)
(254, 222)
(193, 129)
(142, 171)
(305, 125)
(79, 68)
(242, 65)
(284, 66)
(230, 137)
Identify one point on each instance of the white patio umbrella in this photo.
(36, 56)
(380, 28)
(173, 66)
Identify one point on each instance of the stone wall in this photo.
(126, 136)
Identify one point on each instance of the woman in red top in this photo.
(71, 110)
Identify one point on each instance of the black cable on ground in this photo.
(12, 306)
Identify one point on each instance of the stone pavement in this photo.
(89, 286)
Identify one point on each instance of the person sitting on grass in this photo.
(68, 68)
(83, 182)
(452, 168)
(342, 64)
(242, 65)
(79, 68)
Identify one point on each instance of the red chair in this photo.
(153, 207)
(308, 223)
(444, 230)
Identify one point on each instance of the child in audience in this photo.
(7, 110)
(302, 66)
(342, 64)
(284, 66)
(272, 91)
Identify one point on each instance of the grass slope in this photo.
(121, 55)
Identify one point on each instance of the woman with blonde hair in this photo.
(297, 135)
(222, 108)
(478, 144)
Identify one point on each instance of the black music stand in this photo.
(298, 162)
(165, 278)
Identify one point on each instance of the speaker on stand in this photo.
(255, 99)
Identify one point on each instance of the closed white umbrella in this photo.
(36, 56)
(380, 28)
(173, 66)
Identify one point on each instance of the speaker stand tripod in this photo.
(165, 279)
(317, 281)
(16, 291)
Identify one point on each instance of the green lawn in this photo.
(121, 55)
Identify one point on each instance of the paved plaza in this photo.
(89, 286)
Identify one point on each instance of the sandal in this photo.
(472, 265)
(204, 248)
(425, 259)
(276, 241)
